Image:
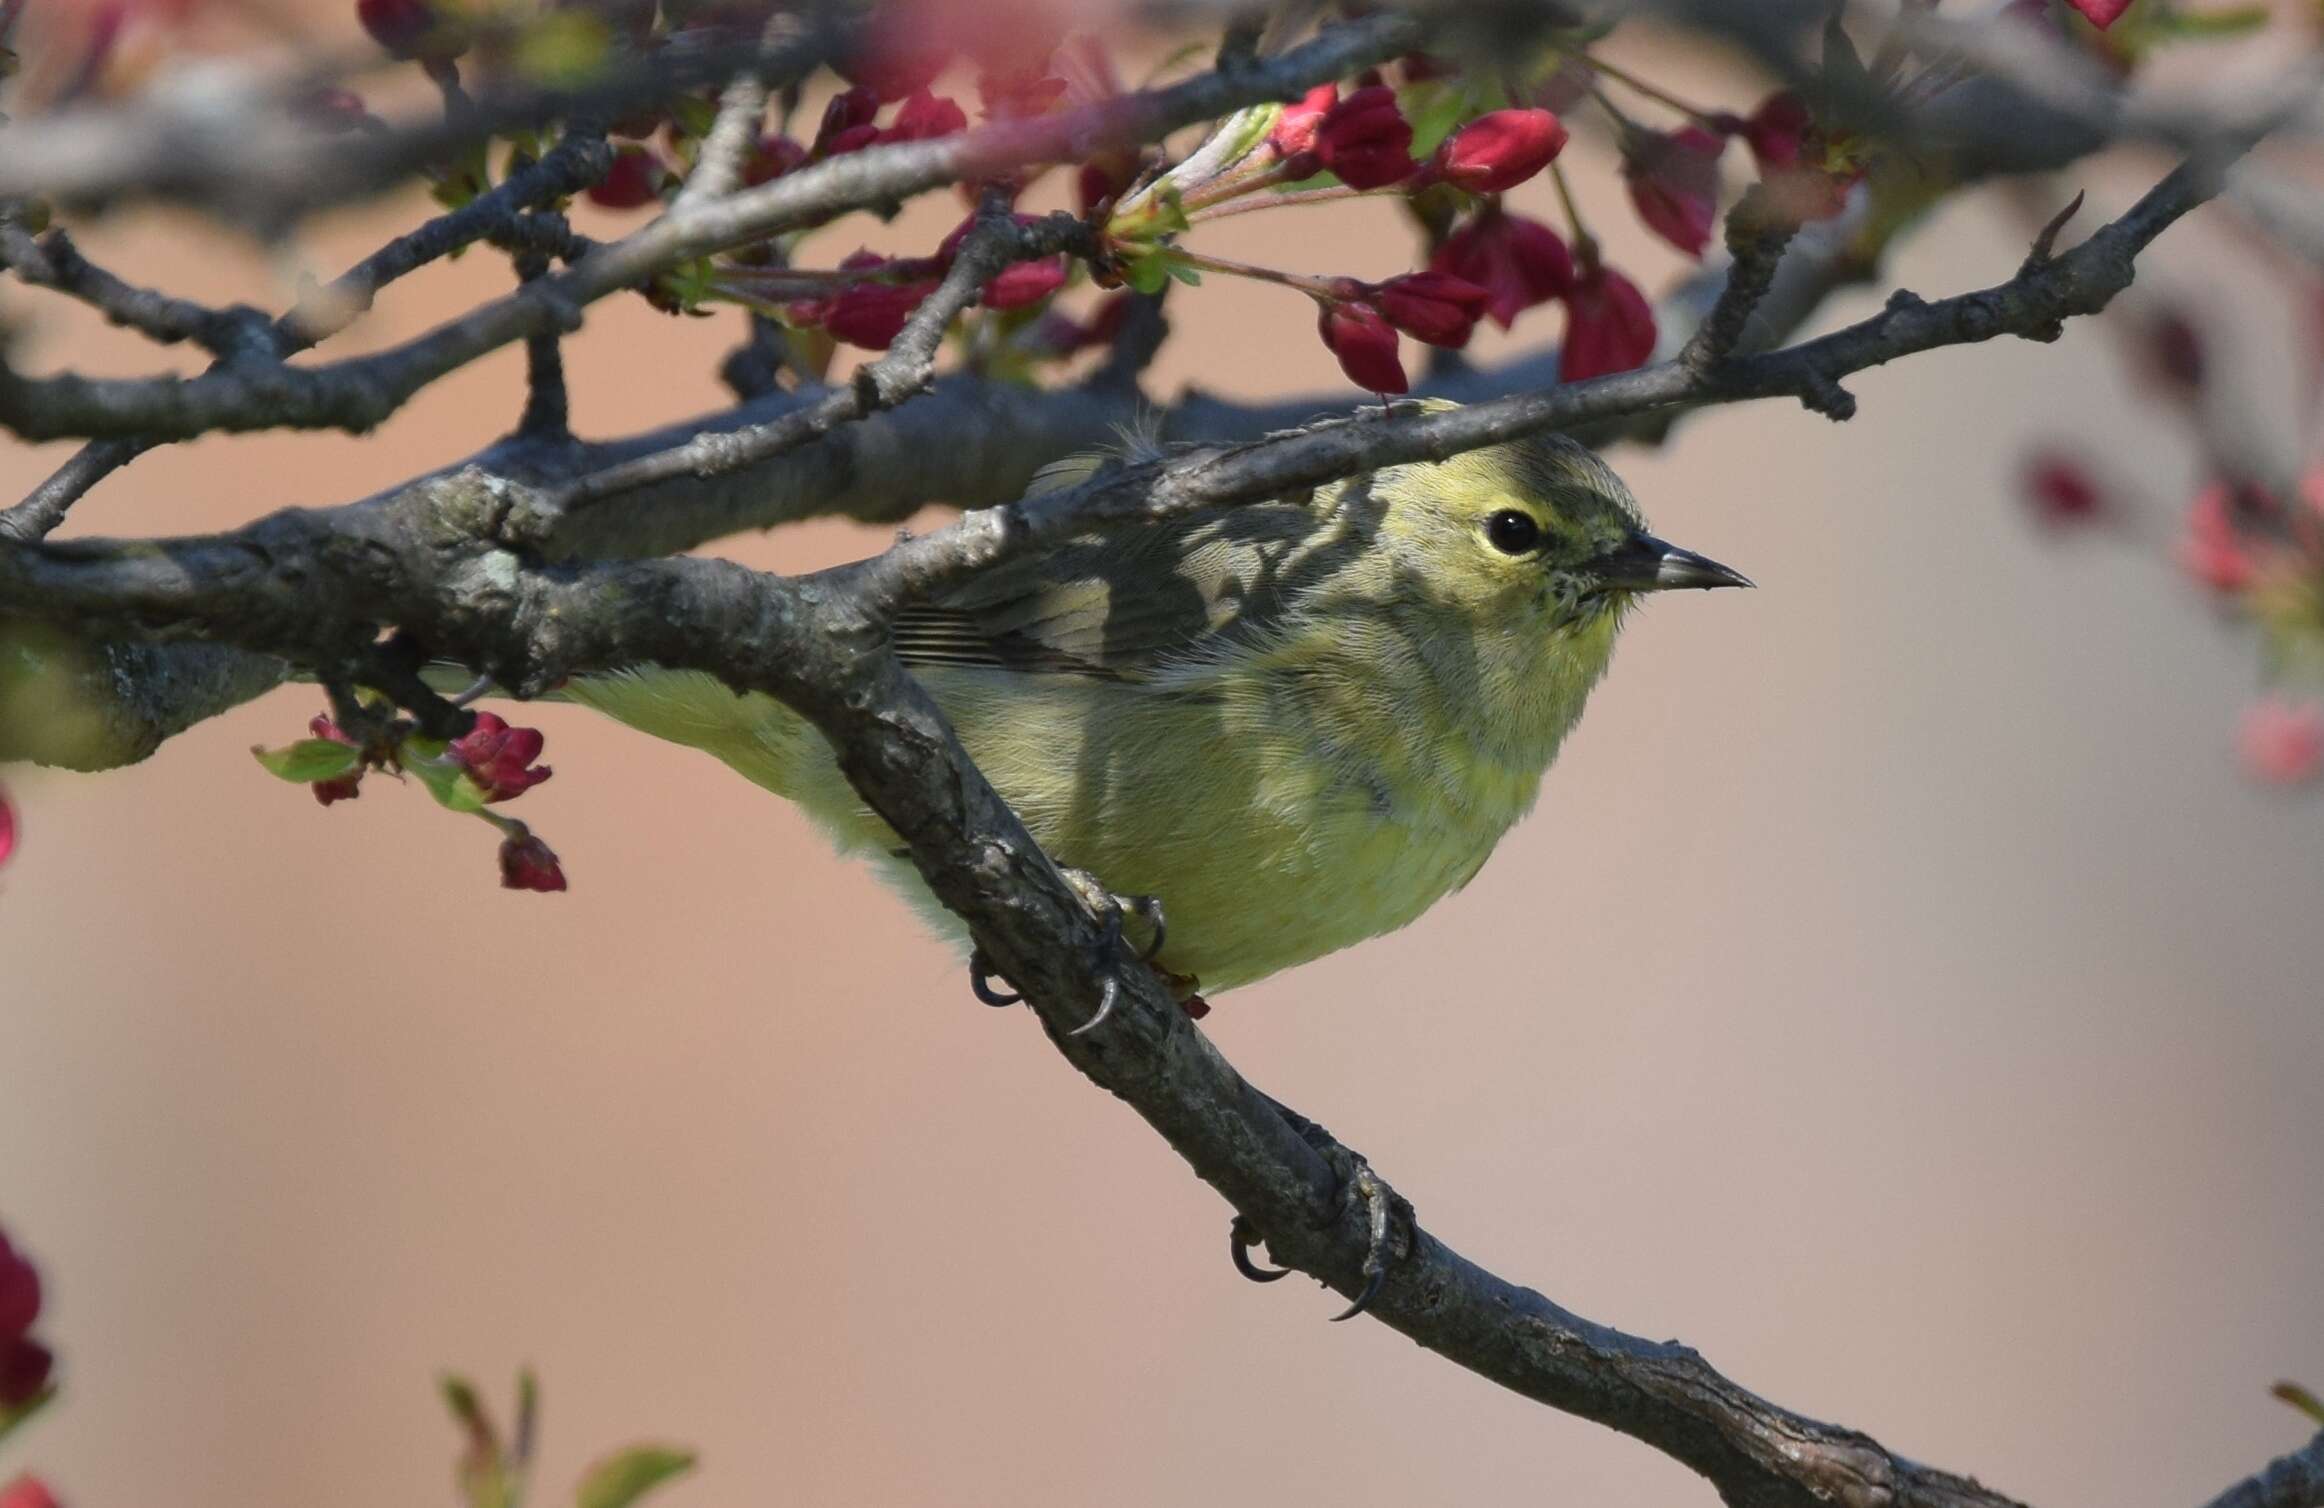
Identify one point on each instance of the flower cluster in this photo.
(491, 763)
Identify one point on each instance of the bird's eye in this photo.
(1512, 532)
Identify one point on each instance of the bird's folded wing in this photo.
(1136, 603)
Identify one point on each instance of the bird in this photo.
(1295, 724)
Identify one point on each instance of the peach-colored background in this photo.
(1899, 995)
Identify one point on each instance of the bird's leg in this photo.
(1358, 1182)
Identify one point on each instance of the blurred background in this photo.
(1900, 994)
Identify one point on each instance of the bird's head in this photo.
(1535, 528)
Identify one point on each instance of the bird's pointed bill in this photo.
(1643, 563)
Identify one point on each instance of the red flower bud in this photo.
(1436, 307)
(635, 179)
(850, 111)
(27, 1492)
(2101, 13)
(1777, 131)
(1103, 179)
(1674, 183)
(19, 1294)
(771, 159)
(871, 315)
(1025, 283)
(1518, 262)
(924, 117)
(2061, 491)
(500, 758)
(1609, 326)
(1365, 344)
(526, 863)
(2282, 741)
(1294, 133)
(7, 827)
(24, 1369)
(1498, 151)
(346, 787)
(1366, 140)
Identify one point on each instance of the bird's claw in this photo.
(1113, 945)
(1242, 1235)
(980, 977)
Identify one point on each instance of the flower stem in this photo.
(1316, 287)
(1660, 96)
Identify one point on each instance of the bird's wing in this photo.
(1136, 603)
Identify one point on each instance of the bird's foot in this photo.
(1358, 1185)
(1111, 910)
(981, 975)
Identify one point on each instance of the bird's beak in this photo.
(1643, 563)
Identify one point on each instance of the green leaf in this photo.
(446, 781)
(1179, 270)
(310, 760)
(620, 1480)
(10, 1418)
(1147, 274)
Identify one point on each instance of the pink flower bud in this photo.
(1366, 140)
(1498, 151)
(2061, 491)
(872, 315)
(1436, 307)
(1609, 326)
(635, 179)
(500, 758)
(2101, 13)
(2213, 550)
(1518, 262)
(2282, 741)
(1294, 133)
(27, 1492)
(1365, 344)
(1674, 183)
(526, 863)
(7, 827)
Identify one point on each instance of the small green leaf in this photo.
(564, 48)
(310, 760)
(620, 1480)
(448, 783)
(1179, 270)
(1147, 274)
(2300, 1398)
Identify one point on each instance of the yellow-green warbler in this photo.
(1297, 724)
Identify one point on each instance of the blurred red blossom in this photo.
(2213, 550)
(851, 111)
(1366, 140)
(2101, 13)
(869, 314)
(924, 116)
(24, 1363)
(526, 863)
(27, 1492)
(1518, 262)
(1025, 283)
(1609, 325)
(1500, 150)
(500, 758)
(7, 826)
(1674, 183)
(1436, 307)
(771, 159)
(636, 178)
(2061, 491)
(1365, 343)
(2282, 741)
